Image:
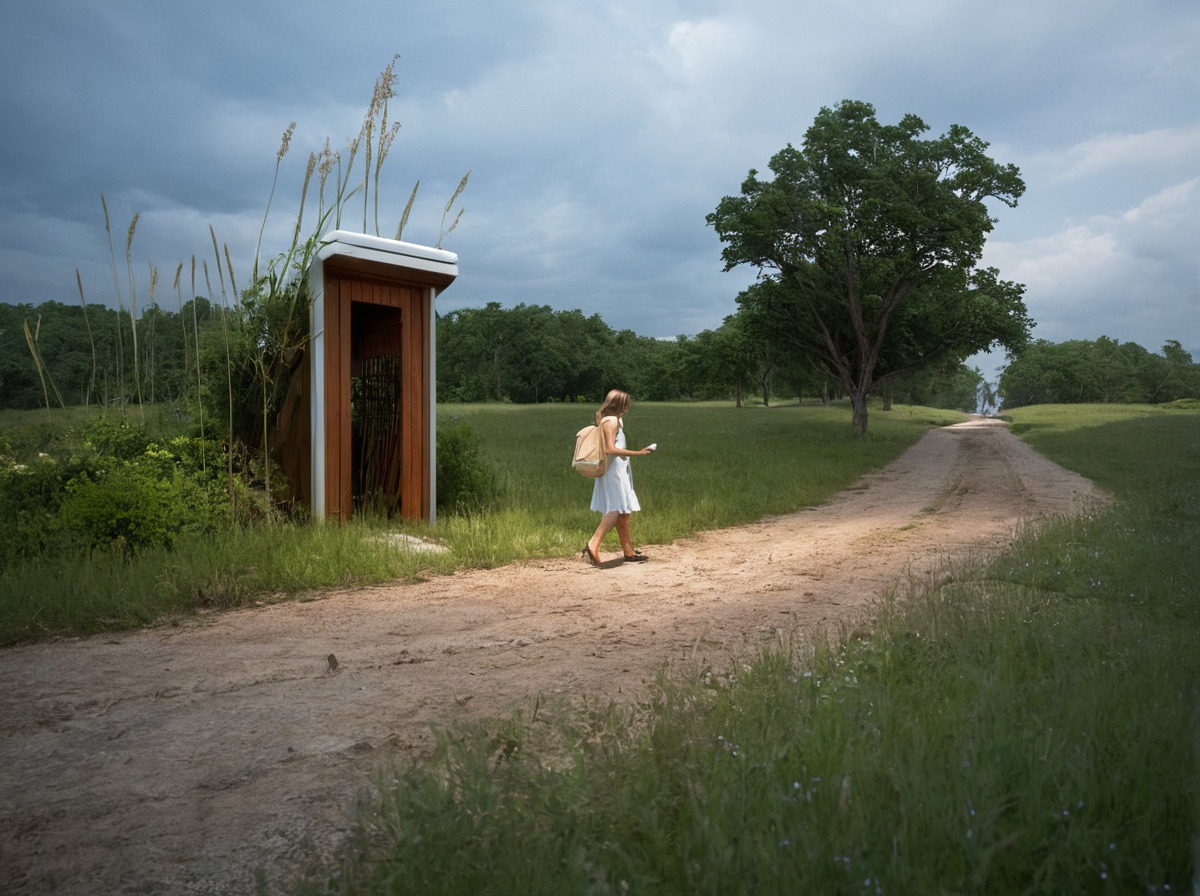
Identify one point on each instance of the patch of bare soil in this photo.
(180, 760)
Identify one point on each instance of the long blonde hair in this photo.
(615, 404)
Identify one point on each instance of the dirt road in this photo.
(180, 760)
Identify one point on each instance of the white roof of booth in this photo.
(394, 253)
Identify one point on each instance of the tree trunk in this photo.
(858, 401)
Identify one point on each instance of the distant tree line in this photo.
(532, 353)
(72, 355)
(1098, 371)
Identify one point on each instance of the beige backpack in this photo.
(589, 459)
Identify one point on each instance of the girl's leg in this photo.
(623, 534)
(606, 523)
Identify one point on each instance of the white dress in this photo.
(614, 490)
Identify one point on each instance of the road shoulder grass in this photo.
(1026, 726)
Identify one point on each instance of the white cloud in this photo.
(701, 49)
(1134, 276)
(1175, 208)
(1159, 148)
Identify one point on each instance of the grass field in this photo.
(1033, 727)
(717, 466)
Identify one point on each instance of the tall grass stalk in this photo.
(412, 197)
(326, 160)
(284, 143)
(91, 339)
(150, 340)
(229, 267)
(31, 339)
(212, 235)
(228, 374)
(177, 285)
(385, 89)
(120, 304)
(343, 179)
(200, 412)
(443, 232)
(137, 377)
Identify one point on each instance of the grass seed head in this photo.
(285, 142)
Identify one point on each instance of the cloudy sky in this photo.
(598, 135)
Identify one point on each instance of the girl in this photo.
(612, 494)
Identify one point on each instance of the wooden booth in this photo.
(370, 377)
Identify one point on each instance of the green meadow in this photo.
(716, 466)
(1030, 726)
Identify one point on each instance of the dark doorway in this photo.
(377, 407)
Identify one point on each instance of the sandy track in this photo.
(179, 760)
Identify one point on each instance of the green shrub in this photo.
(109, 484)
(30, 496)
(115, 438)
(138, 504)
(465, 481)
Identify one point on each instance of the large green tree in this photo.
(867, 240)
